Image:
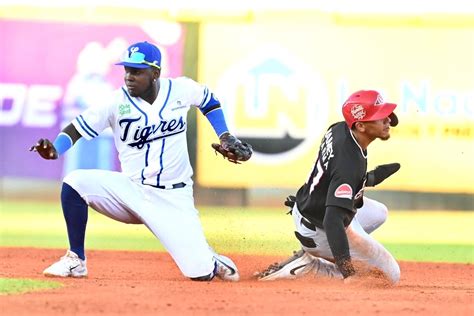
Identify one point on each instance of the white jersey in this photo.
(150, 138)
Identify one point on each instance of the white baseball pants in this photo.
(364, 249)
(168, 213)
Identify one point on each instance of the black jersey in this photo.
(338, 176)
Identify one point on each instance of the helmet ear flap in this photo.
(393, 119)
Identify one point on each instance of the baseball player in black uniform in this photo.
(333, 241)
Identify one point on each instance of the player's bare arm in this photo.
(65, 140)
(230, 147)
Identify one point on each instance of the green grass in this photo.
(432, 252)
(19, 286)
(409, 235)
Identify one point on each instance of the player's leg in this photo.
(174, 220)
(110, 193)
(369, 255)
(101, 190)
(367, 252)
(371, 215)
(314, 248)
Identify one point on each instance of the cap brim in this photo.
(133, 65)
(383, 111)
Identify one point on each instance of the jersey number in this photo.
(317, 177)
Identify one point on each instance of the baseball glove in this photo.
(380, 173)
(233, 149)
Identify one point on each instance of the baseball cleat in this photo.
(296, 266)
(226, 269)
(70, 265)
(325, 268)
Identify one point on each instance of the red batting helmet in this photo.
(368, 105)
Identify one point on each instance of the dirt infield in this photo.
(146, 283)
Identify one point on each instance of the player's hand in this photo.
(45, 149)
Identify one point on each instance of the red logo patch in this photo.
(344, 191)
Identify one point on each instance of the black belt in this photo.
(174, 186)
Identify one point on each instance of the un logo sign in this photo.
(274, 102)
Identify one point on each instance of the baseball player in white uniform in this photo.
(148, 119)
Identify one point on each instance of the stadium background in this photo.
(281, 73)
(282, 70)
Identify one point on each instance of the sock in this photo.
(75, 214)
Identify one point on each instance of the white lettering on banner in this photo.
(12, 100)
(32, 106)
(40, 106)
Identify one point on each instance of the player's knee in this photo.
(382, 213)
(208, 277)
(74, 177)
(69, 195)
(394, 275)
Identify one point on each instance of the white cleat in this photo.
(296, 266)
(226, 269)
(70, 265)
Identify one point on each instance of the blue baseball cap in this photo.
(142, 55)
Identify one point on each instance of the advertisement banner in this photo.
(282, 83)
(50, 72)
